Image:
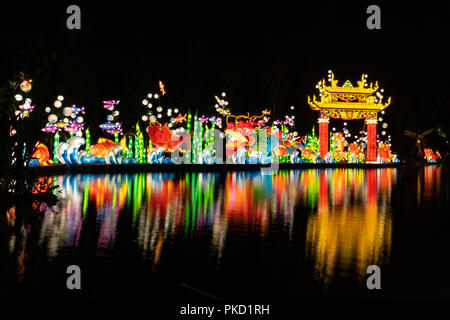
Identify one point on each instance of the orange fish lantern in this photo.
(103, 145)
(354, 148)
(430, 155)
(385, 152)
(42, 154)
(123, 144)
(180, 118)
(161, 136)
(307, 154)
(280, 151)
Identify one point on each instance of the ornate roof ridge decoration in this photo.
(346, 101)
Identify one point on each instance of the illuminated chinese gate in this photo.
(348, 102)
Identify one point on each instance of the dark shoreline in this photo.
(135, 168)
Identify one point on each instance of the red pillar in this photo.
(371, 155)
(323, 137)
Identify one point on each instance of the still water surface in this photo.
(296, 234)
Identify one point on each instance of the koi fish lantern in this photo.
(430, 156)
(42, 154)
(353, 147)
(280, 151)
(385, 152)
(105, 151)
(103, 145)
(161, 136)
(180, 118)
(307, 154)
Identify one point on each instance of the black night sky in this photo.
(263, 56)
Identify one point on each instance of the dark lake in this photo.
(299, 234)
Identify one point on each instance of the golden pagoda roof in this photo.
(362, 86)
(337, 101)
(319, 105)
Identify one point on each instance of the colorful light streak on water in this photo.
(342, 217)
(346, 234)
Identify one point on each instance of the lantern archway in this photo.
(348, 103)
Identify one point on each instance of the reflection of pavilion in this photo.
(348, 103)
(347, 235)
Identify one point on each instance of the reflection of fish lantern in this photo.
(25, 86)
(41, 153)
(44, 184)
(103, 145)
